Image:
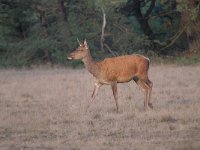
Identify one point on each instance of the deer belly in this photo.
(122, 79)
(124, 76)
(116, 78)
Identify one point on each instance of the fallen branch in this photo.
(103, 30)
(175, 37)
(109, 49)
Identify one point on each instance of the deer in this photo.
(114, 70)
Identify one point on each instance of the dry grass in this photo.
(44, 109)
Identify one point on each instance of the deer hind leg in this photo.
(145, 88)
(115, 94)
(150, 85)
(146, 94)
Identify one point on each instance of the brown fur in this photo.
(124, 68)
(116, 70)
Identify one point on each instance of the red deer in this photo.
(115, 70)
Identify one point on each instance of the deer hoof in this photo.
(150, 105)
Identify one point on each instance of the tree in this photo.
(133, 8)
(17, 16)
(190, 20)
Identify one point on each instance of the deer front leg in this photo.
(115, 94)
(96, 89)
(94, 93)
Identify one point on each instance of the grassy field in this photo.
(44, 109)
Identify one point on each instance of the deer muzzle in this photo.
(70, 57)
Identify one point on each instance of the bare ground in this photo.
(44, 109)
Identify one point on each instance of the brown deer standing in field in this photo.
(115, 70)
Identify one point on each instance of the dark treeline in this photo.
(40, 31)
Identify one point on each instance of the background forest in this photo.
(44, 31)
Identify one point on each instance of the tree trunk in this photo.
(43, 25)
(62, 10)
(192, 31)
(143, 19)
(62, 17)
(144, 25)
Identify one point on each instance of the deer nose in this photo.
(70, 57)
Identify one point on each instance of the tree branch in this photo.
(175, 37)
(148, 12)
(109, 49)
(103, 30)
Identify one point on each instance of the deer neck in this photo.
(91, 65)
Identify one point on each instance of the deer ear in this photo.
(85, 43)
(78, 42)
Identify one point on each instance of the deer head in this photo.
(80, 52)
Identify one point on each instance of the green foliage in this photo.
(194, 12)
(188, 61)
(17, 17)
(24, 41)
